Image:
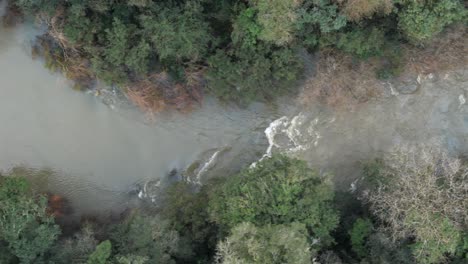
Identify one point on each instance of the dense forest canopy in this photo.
(238, 50)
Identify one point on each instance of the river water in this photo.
(101, 150)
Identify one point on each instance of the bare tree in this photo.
(422, 193)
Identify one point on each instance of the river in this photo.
(100, 151)
(101, 148)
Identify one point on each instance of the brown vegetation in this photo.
(57, 205)
(68, 62)
(12, 16)
(344, 82)
(341, 81)
(158, 92)
(356, 10)
(447, 52)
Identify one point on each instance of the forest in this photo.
(408, 206)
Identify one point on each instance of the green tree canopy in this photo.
(278, 190)
(26, 229)
(276, 244)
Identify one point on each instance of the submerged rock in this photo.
(408, 86)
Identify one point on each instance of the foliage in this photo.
(187, 212)
(423, 197)
(277, 19)
(277, 190)
(148, 237)
(363, 43)
(357, 10)
(318, 17)
(259, 73)
(76, 249)
(269, 244)
(25, 227)
(178, 33)
(101, 254)
(422, 20)
(361, 230)
(436, 240)
(246, 50)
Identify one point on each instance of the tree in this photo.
(75, 249)
(357, 10)
(278, 190)
(277, 19)
(269, 244)
(187, 211)
(361, 230)
(422, 20)
(179, 34)
(25, 227)
(101, 254)
(147, 237)
(423, 195)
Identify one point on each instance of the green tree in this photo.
(277, 19)
(269, 244)
(422, 20)
(361, 230)
(187, 211)
(278, 190)
(25, 226)
(75, 249)
(101, 254)
(148, 237)
(178, 33)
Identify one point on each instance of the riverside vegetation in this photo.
(409, 208)
(169, 53)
